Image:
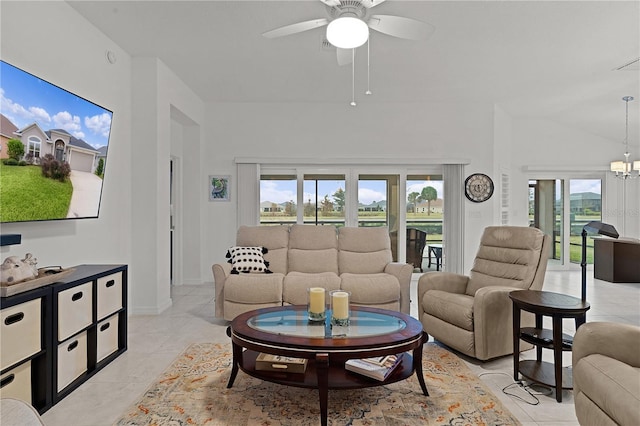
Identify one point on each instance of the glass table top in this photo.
(295, 323)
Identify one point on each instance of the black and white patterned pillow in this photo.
(248, 260)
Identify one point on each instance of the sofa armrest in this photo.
(614, 340)
(220, 273)
(403, 272)
(493, 321)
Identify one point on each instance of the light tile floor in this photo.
(154, 341)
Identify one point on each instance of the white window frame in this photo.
(32, 142)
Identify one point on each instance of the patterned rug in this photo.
(192, 391)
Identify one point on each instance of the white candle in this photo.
(316, 300)
(340, 304)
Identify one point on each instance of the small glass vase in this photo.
(340, 307)
(316, 305)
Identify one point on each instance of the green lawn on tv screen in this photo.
(27, 195)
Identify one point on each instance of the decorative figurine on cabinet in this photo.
(13, 269)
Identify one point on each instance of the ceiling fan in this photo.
(348, 28)
(353, 16)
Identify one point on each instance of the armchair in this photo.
(473, 314)
(606, 374)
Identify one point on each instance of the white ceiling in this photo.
(547, 59)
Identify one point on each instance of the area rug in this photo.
(193, 391)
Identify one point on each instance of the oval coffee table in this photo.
(286, 331)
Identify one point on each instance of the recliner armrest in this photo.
(614, 340)
(445, 281)
(493, 321)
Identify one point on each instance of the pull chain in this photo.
(368, 92)
(353, 77)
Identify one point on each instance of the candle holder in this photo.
(316, 306)
(340, 307)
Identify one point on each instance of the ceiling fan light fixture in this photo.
(347, 32)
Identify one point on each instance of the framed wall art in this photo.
(219, 187)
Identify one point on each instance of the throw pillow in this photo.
(248, 259)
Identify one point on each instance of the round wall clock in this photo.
(478, 187)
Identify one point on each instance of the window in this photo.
(425, 205)
(324, 199)
(585, 205)
(33, 147)
(278, 199)
(375, 207)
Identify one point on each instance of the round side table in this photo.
(557, 306)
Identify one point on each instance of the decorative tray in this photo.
(46, 276)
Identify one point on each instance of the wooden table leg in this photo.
(417, 363)
(580, 320)
(322, 369)
(557, 355)
(237, 356)
(516, 342)
(538, 347)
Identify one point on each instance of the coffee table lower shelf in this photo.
(339, 377)
(544, 373)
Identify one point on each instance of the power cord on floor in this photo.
(531, 390)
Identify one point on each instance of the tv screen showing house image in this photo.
(53, 150)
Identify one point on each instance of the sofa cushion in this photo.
(254, 288)
(612, 385)
(294, 288)
(313, 249)
(248, 260)
(508, 256)
(363, 250)
(371, 289)
(452, 308)
(274, 238)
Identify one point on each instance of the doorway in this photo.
(174, 237)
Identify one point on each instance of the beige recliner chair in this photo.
(473, 314)
(606, 374)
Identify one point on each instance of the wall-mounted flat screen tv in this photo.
(53, 150)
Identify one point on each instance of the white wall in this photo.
(64, 49)
(159, 98)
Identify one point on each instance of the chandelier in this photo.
(624, 169)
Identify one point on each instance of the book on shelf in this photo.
(378, 368)
(269, 362)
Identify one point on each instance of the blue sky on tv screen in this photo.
(25, 98)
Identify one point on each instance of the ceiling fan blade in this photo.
(331, 3)
(296, 28)
(371, 3)
(345, 56)
(398, 26)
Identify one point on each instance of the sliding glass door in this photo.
(561, 208)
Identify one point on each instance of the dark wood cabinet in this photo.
(616, 261)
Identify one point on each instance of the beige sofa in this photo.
(606, 374)
(473, 314)
(357, 260)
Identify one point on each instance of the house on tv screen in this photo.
(58, 142)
